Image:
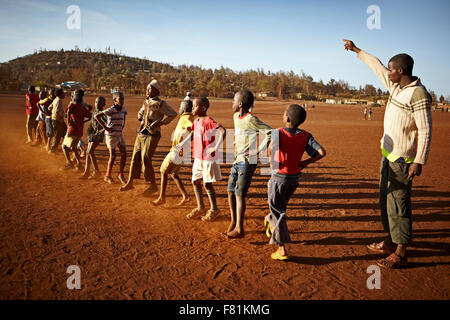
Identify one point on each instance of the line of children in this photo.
(286, 149)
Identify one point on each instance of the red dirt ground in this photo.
(128, 249)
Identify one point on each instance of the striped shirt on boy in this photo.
(115, 120)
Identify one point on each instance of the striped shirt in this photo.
(407, 119)
(115, 119)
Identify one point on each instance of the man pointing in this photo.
(404, 147)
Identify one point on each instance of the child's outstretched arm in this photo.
(320, 154)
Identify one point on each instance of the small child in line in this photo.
(115, 122)
(207, 136)
(247, 128)
(286, 150)
(31, 100)
(41, 134)
(76, 115)
(58, 124)
(173, 161)
(95, 135)
(48, 117)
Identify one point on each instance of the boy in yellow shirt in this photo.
(173, 161)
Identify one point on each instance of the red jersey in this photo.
(33, 108)
(204, 135)
(290, 151)
(75, 121)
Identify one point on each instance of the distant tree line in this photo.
(102, 71)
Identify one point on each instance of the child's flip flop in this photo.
(277, 256)
(267, 226)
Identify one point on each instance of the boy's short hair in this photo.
(42, 95)
(296, 114)
(186, 106)
(59, 91)
(78, 95)
(31, 89)
(203, 101)
(117, 94)
(404, 61)
(247, 98)
(100, 98)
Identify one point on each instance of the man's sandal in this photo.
(381, 247)
(394, 261)
(196, 213)
(211, 215)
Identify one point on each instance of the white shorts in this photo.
(208, 170)
(114, 141)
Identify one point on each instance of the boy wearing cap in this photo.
(153, 114)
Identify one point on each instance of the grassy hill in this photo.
(104, 70)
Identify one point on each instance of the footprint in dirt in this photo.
(226, 270)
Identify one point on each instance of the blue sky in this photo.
(273, 35)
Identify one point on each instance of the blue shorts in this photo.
(240, 178)
(49, 127)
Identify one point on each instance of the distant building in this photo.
(264, 94)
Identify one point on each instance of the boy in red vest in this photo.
(32, 111)
(286, 150)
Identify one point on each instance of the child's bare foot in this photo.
(66, 167)
(126, 187)
(184, 200)
(122, 179)
(231, 227)
(85, 176)
(159, 201)
(235, 234)
(94, 175)
(109, 179)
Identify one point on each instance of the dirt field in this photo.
(128, 249)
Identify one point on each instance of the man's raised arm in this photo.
(372, 62)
